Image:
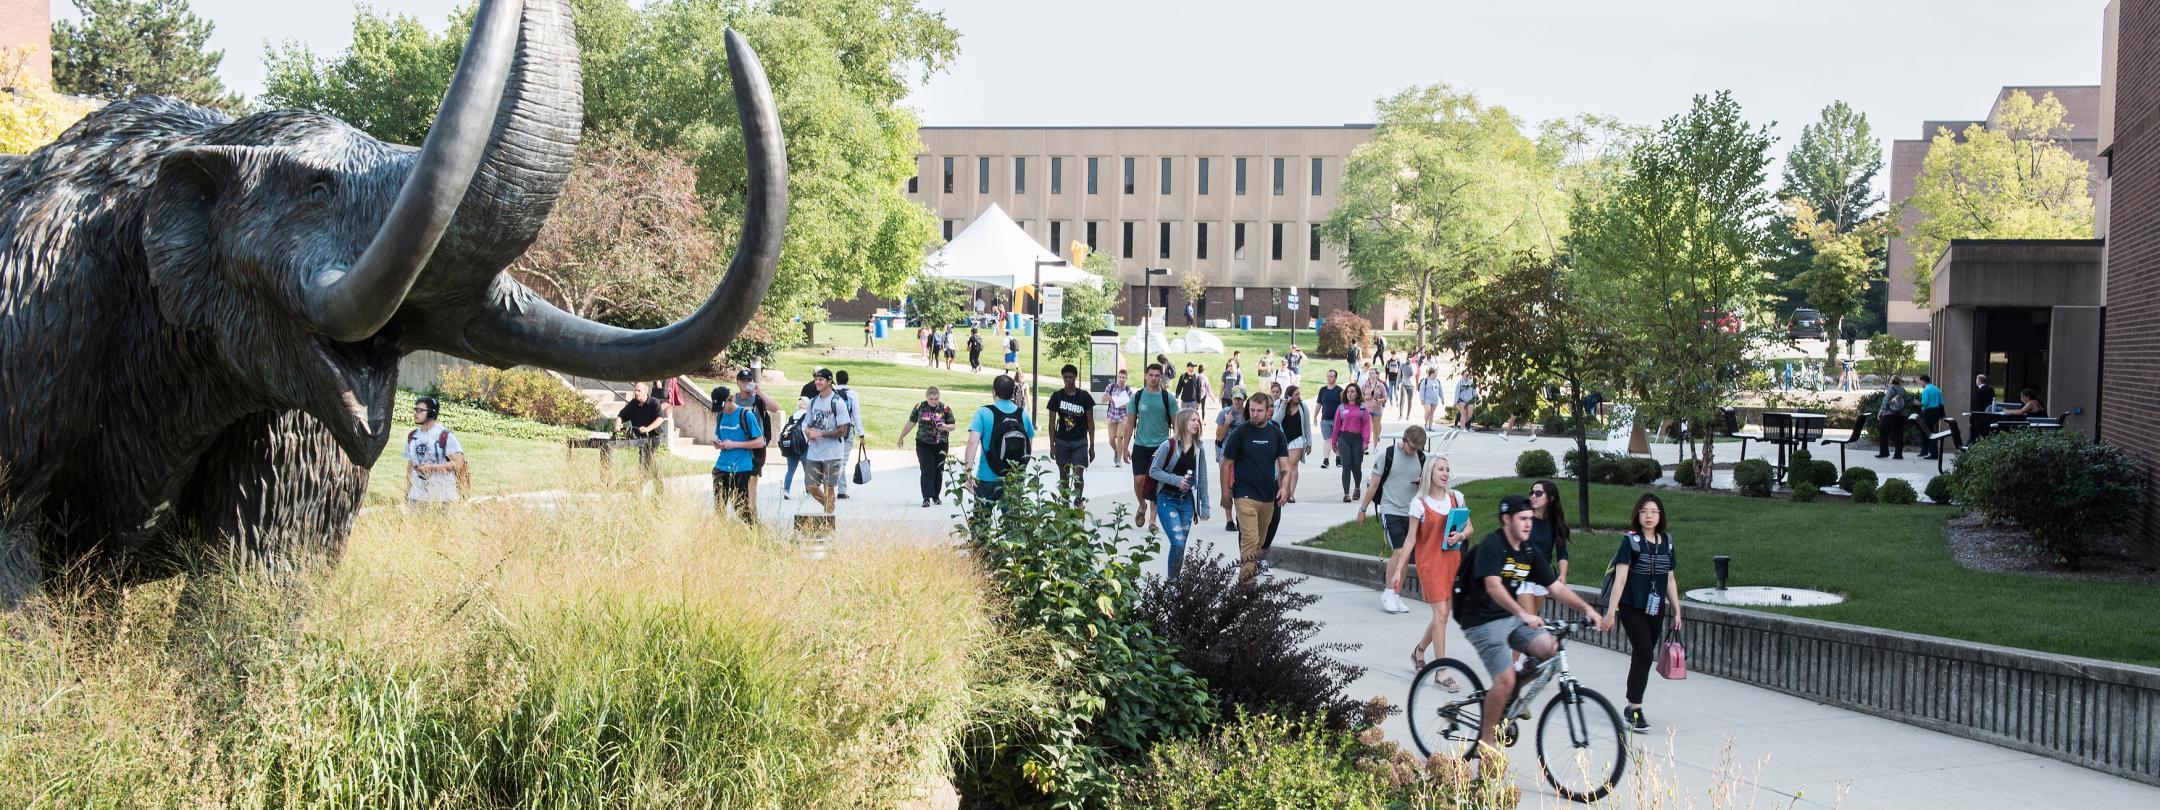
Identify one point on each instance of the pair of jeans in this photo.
(1892, 439)
(1253, 516)
(987, 496)
(1350, 456)
(931, 458)
(731, 490)
(1175, 514)
(1643, 631)
(787, 484)
(1930, 421)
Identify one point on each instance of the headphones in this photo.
(434, 409)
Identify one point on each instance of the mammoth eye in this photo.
(322, 189)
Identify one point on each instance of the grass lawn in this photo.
(1890, 562)
(507, 455)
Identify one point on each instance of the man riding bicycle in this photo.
(1486, 609)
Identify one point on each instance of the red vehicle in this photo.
(1727, 322)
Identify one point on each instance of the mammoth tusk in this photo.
(353, 304)
(520, 328)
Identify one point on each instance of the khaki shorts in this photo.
(826, 473)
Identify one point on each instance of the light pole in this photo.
(1035, 348)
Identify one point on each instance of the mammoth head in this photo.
(317, 256)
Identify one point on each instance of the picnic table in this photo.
(607, 445)
(1789, 429)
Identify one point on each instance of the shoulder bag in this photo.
(1672, 657)
(862, 461)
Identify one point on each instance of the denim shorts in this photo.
(1493, 639)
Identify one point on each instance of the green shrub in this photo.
(1640, 470)
(1938, 489)
(1863, 491)
(1249, 643)
(1752, 478)
(1684, 473)
(1066, 577)
(1897, 491)
(1535, 464)
(1613, 468)
(2060, 487)
(1805, 492)
(1488, 417)
(1800, 455)
(1854, 475)
(521, 392)
(1269, 763)
(1818, 472)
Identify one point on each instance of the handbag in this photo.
(862, 462)
(1672, 658)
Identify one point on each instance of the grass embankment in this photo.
(618, 654)
(508, 455)
(1890, 562)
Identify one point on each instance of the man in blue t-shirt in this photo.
(985, 435)
(737, 433)
(1931, 414)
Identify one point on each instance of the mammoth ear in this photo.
(180, 230)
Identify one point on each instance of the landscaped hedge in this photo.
(1938, 489)
(1535, 464)
(1684, 473)
(1753, 477)
(2060, 487)
(1896, 490)
(1342, 329)
(1805, 491)
(1854, 475)
(521, 392)
(1864, 491)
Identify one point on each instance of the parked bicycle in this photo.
(1581, 745)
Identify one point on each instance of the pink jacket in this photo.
(1353, 420)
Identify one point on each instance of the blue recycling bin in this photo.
(1244, 322)
(1027, 327)
(1012, 321)
(880, 327)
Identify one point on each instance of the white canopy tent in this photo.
(995, 251)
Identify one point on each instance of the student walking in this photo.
(1003, 434)
(1890, 420)
(1394, 486)
(1549, 535)
(1353, 434)
(792, 446)
(1232, 379)
(829, 423)
(1181, 486)
(1147, 426)
(736, 433)
(975, 347)
(1375, 398)
(1330, 398)
(750, 396)
(935, 419)
(1438, 554)
(1072, 431)
(1296, 422)
(1116, 400)
(1644, 598)
(1230, 418)
(1466, 397)
(434, 460)
(1429, 393)
(1256, 474)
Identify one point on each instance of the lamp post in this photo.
(1147, 306)
(1035, 347)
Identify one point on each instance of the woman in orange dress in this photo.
(1437, 554)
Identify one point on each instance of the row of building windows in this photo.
(1126, 246)
(1201, 176)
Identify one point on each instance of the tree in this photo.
(2012, 180)
(1447, 189)
(1195, 286)
(1085, 305)
(656, 74)
(1672, 250)
(1832, 169)
(936, 302)
(31, 115)
(1893, 352)
(1843, 266)
(628, 244)
(127, 48)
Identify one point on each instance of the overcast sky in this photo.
(1182, 62)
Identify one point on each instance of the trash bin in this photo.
(1027, 327)
(880, 327)
(1244, 322)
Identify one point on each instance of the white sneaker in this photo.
(1392, 603)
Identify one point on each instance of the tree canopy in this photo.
(127, 48)
(627, 244)
(2012, 179)
(32, 115)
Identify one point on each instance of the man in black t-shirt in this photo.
(935, 419)
(1072, 429)
(1188, 387)
(1256, 474)
(640, 417)
(1330, 399)
(1490, 616)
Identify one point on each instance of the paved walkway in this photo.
(1780, 750)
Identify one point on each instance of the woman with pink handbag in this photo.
(1641, 596)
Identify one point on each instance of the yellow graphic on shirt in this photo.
(1515, 571)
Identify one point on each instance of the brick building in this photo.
(2130, 221)
(28, 23)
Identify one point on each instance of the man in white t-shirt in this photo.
(433, 457)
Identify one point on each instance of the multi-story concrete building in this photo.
(1238, 206)
(2080, 136)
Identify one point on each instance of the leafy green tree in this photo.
(1843, 265)
(1832, 169)
(656, 73)
(2012, 180)
(127, 48)
(1892, 352)
(936, 302)
(1673, 249)
(1085, 305)
(627, 244)
(1445, 191)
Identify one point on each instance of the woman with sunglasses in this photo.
(1549, 535)
(1644, 597)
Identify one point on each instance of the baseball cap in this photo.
(744, 376)
(1512, 504)
(823, 372)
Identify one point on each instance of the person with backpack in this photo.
(434, 460)
(827, 426)
(1466, 397)
(1072, 430)
(1181, 491)
(974, 345)
(946, 342)
(1438, 554)
(750, 396)
(1890, 420)
(1394, 485)
(1643, 597)
(1429, 393)
(736, 433)
(1228, 419)
(792, 445)
(847, 397)
(1003, 435)
(1256, 472)
(936, 420)
(1012, 353)
(1147, 426)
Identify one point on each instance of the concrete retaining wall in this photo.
(2096, 714)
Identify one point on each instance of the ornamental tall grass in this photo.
(607, 654)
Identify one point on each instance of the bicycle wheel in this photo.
(1442, 720)
(1581, 744)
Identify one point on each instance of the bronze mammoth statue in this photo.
(201, 317)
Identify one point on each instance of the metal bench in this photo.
(1732, 430)
(1859, 431)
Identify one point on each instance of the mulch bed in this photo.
(1982, 546)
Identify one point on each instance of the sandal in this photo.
(1417, 658)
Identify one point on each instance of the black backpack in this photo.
(1007, 443)
(791, 438)
(1387, 465)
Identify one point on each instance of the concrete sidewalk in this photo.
(1767, 746)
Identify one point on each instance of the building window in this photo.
(1237, 241)
(1200, 242)
(1129, 172)
(1057, 238)
(1092, 174)
(1091, 236)
(1165, 175)
(1316, 177)
(948, 229)
(1275, 243)
(948, 175)
(1127, 252)
(1057, 175)
(1201, 178)
(1240, 177)
(914, 184)
(1278, 180)
(1312, 242)
(1019, 175)
(1162, 242)
(982, 175)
